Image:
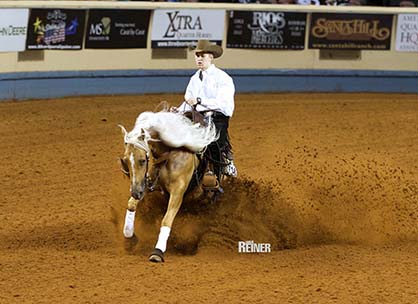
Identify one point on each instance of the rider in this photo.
(211, 91)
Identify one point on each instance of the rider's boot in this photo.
(229, 169)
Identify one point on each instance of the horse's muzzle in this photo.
(138, 195)
(138, 189)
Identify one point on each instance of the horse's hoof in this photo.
(157, 256)
(130, 244)
(128, 233)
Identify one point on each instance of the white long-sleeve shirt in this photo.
(216, 91)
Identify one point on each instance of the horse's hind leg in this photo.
(128, 228)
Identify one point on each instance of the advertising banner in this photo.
(117, 29)
(266, 30)
(350, 31)
(55, 29)
(179, 28)
(407, 33)
(13, 29)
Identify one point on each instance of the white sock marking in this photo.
(162, 238)
(128, 228)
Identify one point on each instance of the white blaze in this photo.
(132, 160)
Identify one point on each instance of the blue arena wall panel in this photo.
(33, 85)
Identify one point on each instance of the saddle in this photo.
(210, 182)
(197, 117)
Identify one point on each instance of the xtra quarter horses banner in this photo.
(183, 27)
(13, 29)
(55, 29)
(350, 31)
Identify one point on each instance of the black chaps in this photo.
(220, 150)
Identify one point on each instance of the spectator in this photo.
(344, 2)
(402, 3)
(307, 2)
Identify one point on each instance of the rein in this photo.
(146, 175)
(153, 181)
(162, 158)
(198, 117)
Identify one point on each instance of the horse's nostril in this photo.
(137, 195)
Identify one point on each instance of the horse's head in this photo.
(134, 163)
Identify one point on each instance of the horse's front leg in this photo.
(174, 203)
(129, 227)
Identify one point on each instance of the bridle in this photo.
(149, 183)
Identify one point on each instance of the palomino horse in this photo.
(162, 146)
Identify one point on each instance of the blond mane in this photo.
(173, 129)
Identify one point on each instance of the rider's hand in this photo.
(192, 101)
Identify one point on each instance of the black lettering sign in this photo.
(266, 30)
(181, 22)
(117, 29)
(55, 29)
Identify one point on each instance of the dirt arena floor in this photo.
(329, 180)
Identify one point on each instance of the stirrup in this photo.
(210, 182)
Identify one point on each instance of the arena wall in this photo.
(55, 73)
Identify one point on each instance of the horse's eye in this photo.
(141, 162)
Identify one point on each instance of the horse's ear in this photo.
(124, 132)
(124, 167)
(163, 106)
